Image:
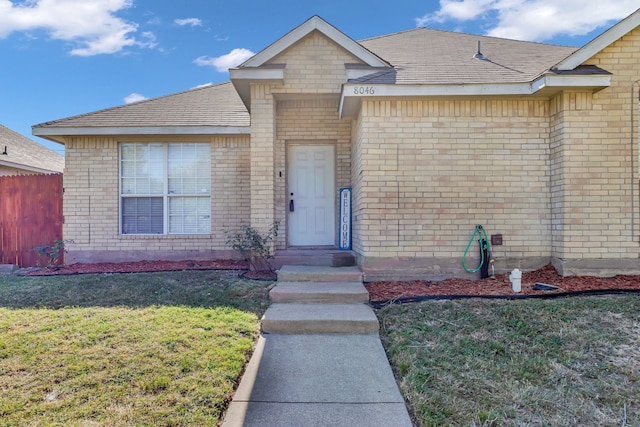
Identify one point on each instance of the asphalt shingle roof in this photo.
(426, 56)
(22, 151)
(419, 56)
(214, 105)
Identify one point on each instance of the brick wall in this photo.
(307, 111)
(597, 146)
(356, 184)
(262, 157)
(91, 201)
(433, 169)
(314, 65)
(314, 121)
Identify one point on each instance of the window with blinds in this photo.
(165, 188)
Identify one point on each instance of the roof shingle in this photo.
(420, 57)
(214, 105)
(22, 151)
(426, 56)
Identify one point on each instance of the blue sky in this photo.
(60, 58)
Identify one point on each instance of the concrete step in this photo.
(7, 268)
(310, 273)
(323, 292)
(318, 257)
(296, 318)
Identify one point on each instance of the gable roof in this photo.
(315, 23)
(213, 109)
(426, 56)
(600, 42)
(417, 62)
(257, 67)
(25, 154)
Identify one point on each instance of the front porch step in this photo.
(295, 318)
(317, 257)
(308, 273)
(325, 292)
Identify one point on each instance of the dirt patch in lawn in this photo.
(500, 286)
(142, 267)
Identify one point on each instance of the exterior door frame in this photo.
(289, 174)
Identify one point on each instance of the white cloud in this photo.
(203, 85)
(224, 62)
(194, 22)
(91, 25)
(456, 10)
(535, 20)
(134, 97)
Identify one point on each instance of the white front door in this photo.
(311, 195)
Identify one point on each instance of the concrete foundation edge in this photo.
(96, 256)
(437, 269)
(597, 267)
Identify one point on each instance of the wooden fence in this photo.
(30, 216)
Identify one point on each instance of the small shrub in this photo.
(55, 251)
(254, 247)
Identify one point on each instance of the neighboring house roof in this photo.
(19, 152)
(212, 109)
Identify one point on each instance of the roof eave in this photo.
(600, 42)
(546, 85)
(241, 78)
(593, 82)
(26, 167)
(54, 133)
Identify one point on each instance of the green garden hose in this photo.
(482, 233)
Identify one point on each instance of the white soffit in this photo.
(315, 23)
(271, 73)
(602, 41)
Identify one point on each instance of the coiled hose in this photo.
(482, 234)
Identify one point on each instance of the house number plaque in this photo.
(344, 233)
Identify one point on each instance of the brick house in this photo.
(433, 131)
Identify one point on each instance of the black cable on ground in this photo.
(406, 300)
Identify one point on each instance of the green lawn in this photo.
(561, 362)
(124, 349)
(168, 349)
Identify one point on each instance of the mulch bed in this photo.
(390, 291)
(385, 292)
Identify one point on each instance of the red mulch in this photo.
(501, 286)
(142, 267)
(383, 291)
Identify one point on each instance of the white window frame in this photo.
(165, 195)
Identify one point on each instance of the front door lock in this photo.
(291, 204)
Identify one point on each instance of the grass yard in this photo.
(560, 362)
(124, 349)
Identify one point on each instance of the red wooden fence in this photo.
(30, 216)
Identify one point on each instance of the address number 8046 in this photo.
(363, 90)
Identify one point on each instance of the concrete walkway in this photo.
(319, 360)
